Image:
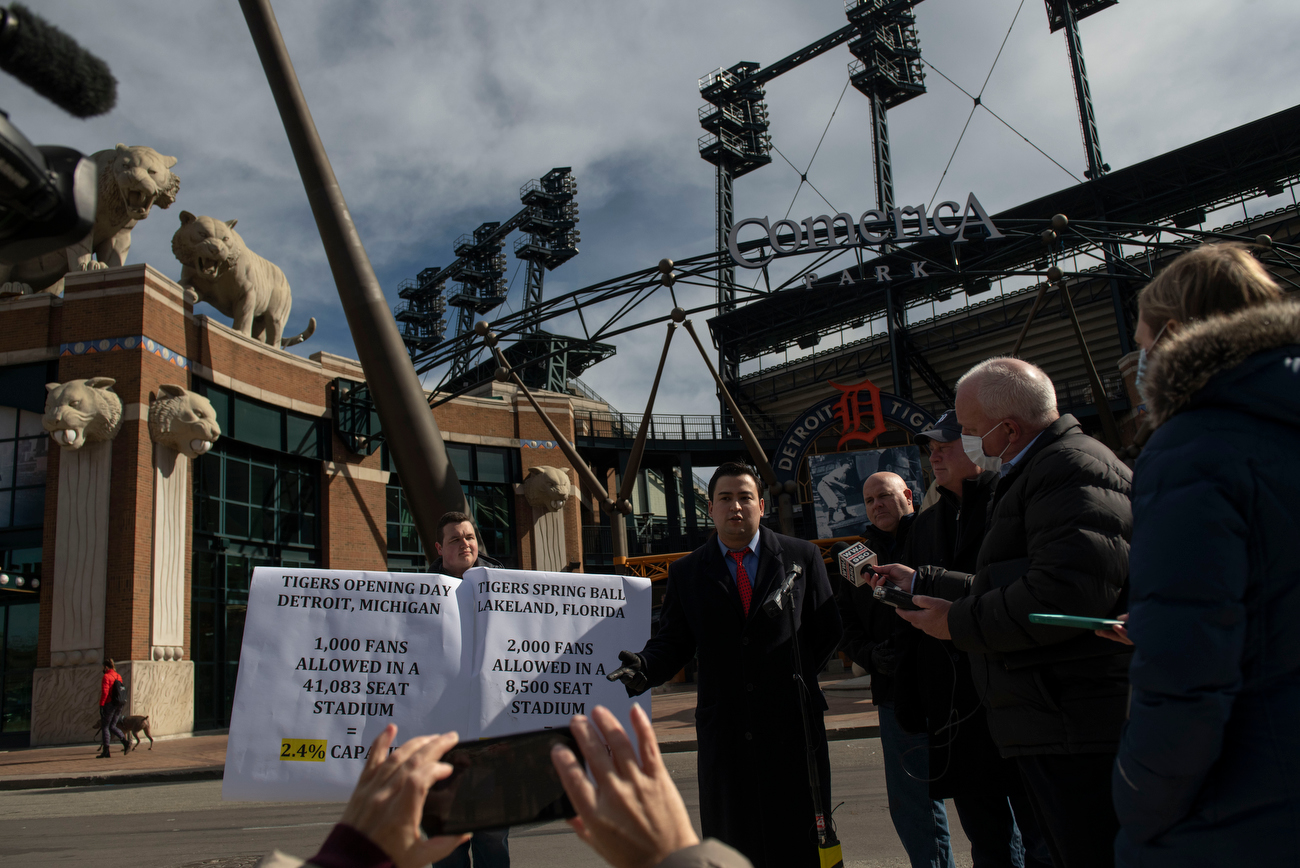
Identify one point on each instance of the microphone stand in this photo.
(829, 851)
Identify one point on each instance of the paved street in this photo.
(172, 825)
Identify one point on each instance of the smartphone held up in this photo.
(497, 782)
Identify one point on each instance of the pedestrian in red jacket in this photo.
(111, 702)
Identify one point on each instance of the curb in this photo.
(215, 773)
(165, 776)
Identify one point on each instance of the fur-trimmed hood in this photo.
(1186, 363)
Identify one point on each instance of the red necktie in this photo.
(742, 580)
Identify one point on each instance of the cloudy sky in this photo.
(434, 114)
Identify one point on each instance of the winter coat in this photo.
(868, 622)
(106, 685)
(935, 691)
(753, 771)
(1208, 771)
(1057, 542)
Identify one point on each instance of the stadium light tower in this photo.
(1065, 15)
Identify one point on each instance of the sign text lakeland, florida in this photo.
(904, 223)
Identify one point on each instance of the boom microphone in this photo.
(51, 63)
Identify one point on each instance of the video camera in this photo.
(47, 192)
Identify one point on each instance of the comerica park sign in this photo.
(841, 231)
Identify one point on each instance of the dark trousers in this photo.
(1002, 830)
(1070, 796)
(109, 715)
(490, 847)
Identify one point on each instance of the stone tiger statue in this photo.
(131, 181)
(217, 267)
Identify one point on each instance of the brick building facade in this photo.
(279, 487)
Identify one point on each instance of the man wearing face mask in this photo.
(1057, 541)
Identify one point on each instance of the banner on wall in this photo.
(837, 479)
(331, 657)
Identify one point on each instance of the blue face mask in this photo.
(1140, 377)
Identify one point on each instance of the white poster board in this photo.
(331, 657)
(544, 643)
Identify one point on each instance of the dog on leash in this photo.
(133, 726)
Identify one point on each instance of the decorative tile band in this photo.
(133, 342)
(537, 444)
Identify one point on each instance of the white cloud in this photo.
(435, 113)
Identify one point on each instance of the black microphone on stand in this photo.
(51, 63)
(783, 594)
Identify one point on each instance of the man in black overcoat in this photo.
(753, 773)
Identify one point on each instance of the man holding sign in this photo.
(754, 790)
(457, 552)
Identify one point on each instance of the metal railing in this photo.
(621, 426)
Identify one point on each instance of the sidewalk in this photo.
(202, 757)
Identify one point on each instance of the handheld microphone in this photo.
(782, 593)
(51, 63)
(854, 561)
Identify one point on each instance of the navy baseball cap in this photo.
(945, 430)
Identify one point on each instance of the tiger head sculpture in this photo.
(82, 411)
(183, 420)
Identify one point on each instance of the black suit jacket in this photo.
(754, 792)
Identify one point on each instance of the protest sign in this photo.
(545, 641)
(331, 657)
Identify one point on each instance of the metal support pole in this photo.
(1109, 429)
(880, 153)
(427, 476)
(786, 517)
(726, 275)
(896, 329)
(1029, 320)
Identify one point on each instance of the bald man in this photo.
(876, 639)
(1057, 542)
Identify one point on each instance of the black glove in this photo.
(884, 659)
(631, 673)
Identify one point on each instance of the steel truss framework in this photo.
(974, 266)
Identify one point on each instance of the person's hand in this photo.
(884, 659)
(1116, 634)
(895, 573)
(634, 816)
(389, 798)
(631, 673)
(932, 617)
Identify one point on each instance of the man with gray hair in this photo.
(1057, 542)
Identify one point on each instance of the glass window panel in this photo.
(236, 520)
(394, 504)
(302, 435)
(6, 507)
(25, 561)
(307, 532)
(6, 462)
(29, 506)
(8, 421)
(31, 460)
(2, 639)
(236, 480)
(459, 456)
(493, 465)
(204, 643)
(209, 474)
(17, 702)
(20, 639)
(220, 399)
(257, 424)
(29, 424)
(205, 570)
(205, 715)
(262, 490)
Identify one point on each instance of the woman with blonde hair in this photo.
(1207, 764)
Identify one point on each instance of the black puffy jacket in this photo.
(1208, 771)
(1057, 542)
(868, 623)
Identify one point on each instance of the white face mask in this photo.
(973, 446)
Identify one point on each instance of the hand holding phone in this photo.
(633, 816)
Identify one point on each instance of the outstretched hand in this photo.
(633, 816)
(1117, 634)
(631, 673)
(389, 797)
